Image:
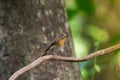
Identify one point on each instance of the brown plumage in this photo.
(57, 43)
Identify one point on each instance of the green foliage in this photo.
(86, 6)
(88, 35)
(112, 1)
(76, 28)
(97, 68)
(99, 35)
(116, 38)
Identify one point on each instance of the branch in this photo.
(60, 58)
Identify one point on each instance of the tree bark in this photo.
(27, 27)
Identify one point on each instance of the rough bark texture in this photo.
(27, 27)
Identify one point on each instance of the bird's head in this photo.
(64, 35)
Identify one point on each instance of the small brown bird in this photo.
(57, 43)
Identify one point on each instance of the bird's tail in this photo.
(49, 48)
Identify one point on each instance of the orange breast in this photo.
(61, 42)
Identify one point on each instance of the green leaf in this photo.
(97, 68)
(98, 34)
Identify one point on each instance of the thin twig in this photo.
(60, 58)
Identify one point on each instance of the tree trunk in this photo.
(27, 27)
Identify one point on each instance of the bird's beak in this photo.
(67, 35)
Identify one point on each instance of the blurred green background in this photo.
(95, 24)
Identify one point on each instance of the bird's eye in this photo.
(62, 34)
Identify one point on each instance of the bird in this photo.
(57, 43)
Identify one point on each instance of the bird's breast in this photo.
(61, 42)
